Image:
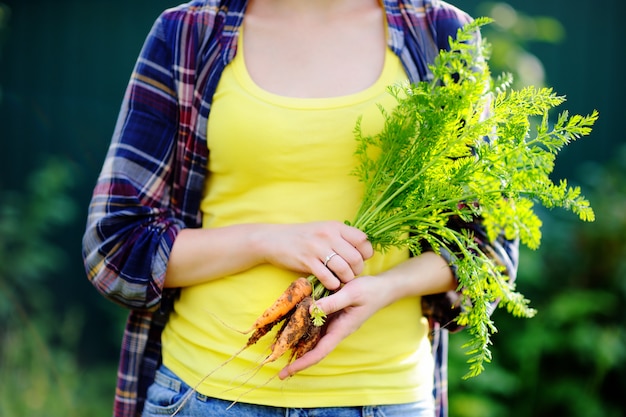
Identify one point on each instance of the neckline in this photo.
(241, 72)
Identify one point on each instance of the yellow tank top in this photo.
(277, 159)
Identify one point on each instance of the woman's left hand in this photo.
(359, 299)
(347, 309)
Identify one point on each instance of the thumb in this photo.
(331, 303)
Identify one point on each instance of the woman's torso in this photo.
(279, 155)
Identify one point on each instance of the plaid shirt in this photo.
(151, 182)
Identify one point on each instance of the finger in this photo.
(325, 275)
(336, 269)
(358, 240)
(342, 269)
(334, 302)
(352, 258)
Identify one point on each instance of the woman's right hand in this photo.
(333, 251)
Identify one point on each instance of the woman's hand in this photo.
(333, 251)
(347, 309)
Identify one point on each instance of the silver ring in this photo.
(329, 257)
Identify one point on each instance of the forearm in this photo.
(201, 255)
(421, 275)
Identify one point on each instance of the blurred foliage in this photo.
(38, 340)
(571, 358)
(512, 35)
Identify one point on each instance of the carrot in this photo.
(296, 292)
(307, 342)
(292, 307)
(289, 332)
(297, 326)
(259, 333)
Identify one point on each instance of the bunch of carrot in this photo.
(298, 333)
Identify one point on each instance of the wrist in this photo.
(422, 275)
(259, 241)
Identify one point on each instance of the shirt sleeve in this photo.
(131, 223)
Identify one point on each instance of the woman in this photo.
(228, 176)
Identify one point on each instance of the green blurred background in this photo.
(63, 68)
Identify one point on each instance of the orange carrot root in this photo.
(260, 332)
(296, 292)
(292, 307)
(307, 342)
(293, 331)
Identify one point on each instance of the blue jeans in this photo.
(167, 393)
